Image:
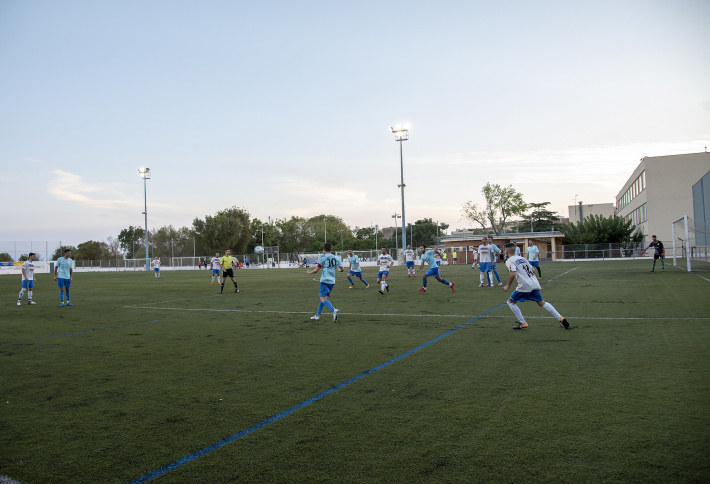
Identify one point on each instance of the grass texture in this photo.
(143, 373)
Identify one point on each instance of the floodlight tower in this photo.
(146, 175)
(402, 134)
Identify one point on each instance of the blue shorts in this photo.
(215, 271)
(325, 289)
(28, 284)
(63, 282)
(433, 271)
(381, 273)
(517, 297)
(534, 263)
(357, 274)
(485, 266)
(410, 263)
(438, 263)
(494, 265)
(156, 269)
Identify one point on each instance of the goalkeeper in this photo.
(658, 254)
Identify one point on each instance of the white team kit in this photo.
(524, 274)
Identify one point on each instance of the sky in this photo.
(284, 108)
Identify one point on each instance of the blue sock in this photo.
(424, 282)
(351, 280)
(61, 296)
(328, 305)
(444, 281)
(364, 282)
(67, 289)
(320, 309)
(497, 276)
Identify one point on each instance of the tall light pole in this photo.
(401, 134)
(146, 175)
(325, 230)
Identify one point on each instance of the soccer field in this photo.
(168, 381)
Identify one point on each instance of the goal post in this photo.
(691, 241)
(681, 232)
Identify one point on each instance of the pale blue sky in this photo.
(284, 108)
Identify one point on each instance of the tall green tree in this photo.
(59, 252)
(91, 250)
(5, 257)
(538, 219)
(227, 229)
(501, 203)
(170, 242)
(130, 239)
(596, 229)
(297, 235)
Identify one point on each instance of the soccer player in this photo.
(428, 257)
(534, 257)
(63, 274)
(227, 262)
(155, 264)
(409, 261)
(355, 269)
(659, 253)
(484, 262)
(216, 268)
(384, 261)
(475, 259)
(329, 263)
(494, 260)
(454, 255)
(528, 288)
(28, 279)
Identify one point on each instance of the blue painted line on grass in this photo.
(89, 331)
(305, 403)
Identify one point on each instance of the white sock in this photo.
(29, 295)
(22, 291)
(481, 277)
(550, 309)
(382, 286)
(490, 278)
(516, 311)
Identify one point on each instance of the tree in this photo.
(596, 229)
(228, 229)
(131, 238)
(5, 257)
(166, 241)
(501, 204)
(296, 235)
(91, 250)
(60, 252)
(539, 217)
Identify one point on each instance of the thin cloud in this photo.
(73, 188)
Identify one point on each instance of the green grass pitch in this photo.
(142, 373)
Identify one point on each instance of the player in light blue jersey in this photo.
(494, 259)
(355, 269)
(429, 257)
(534, 257)
(328, 263)
(63, 273)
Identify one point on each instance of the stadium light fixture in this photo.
(146, 175)
(401, 134)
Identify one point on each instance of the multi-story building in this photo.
(659, 191)
(579, 212)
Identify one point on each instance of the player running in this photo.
(28, 279)
(355, 269)
(659, 253)
(409, 261)
(216, 268)
(528, 288)
(428, 257)
(329, 263)
(384, 261)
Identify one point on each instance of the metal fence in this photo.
(597, 251)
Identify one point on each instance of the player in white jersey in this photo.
(355, 269)
(528, 288)
(409, 261)
(494, 260)
(216, 266)
(155, 264)
(484, 262)
(384, 262)
(475, 259)
(28, 279)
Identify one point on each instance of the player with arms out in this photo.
(63, 273)
(227, 262)
(28, 279)
(216, 267)
(428, 257)
(528, 288)
(659, 253)
(355, 269)
(409, 261)
(328, 263)
(384, 261)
